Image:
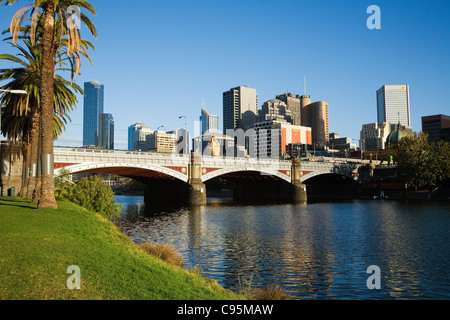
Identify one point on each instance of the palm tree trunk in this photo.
(26, 146)
(47, 199)
(34, 141)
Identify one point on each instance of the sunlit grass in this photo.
(37, 247)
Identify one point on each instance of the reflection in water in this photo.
(314, 251)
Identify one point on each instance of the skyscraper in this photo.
(93, 108)
(106, 131)
(209, 122)
(393, 104)
(315, 116)
(436, 126)
(275, 109)
(137, 132)
(240, 108)
(293, 104)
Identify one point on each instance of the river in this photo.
(312, 251)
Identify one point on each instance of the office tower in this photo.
(209, 122)
(293, 103)
(137, 132)
(273, 138)
(106, 131)
(93, 108)
(393, 104)
(163, 142)
(341, 143)
(305, 100)
(437, 127)
(275, 109)
(240, 108)
(373, 135)
(315, 116)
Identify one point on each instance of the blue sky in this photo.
(159, 60)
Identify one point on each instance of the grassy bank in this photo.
(37, 247)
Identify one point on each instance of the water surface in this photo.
(314, 251)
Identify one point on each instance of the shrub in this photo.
(270, 293)
(165, 252)
(93, 195)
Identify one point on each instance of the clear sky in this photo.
(159, 60)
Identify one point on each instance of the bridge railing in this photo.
(65, 150)
(247, 160)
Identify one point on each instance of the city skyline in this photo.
(344, 62)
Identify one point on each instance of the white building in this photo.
(373, 135)
(137, 133)
(273, 137)
(393, 104)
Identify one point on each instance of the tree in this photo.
(51, 10)
(422, 164)
(93, 195)
(20, 121)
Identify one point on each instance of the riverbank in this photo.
(38, 246)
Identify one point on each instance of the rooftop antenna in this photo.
(203, 103)
(304, 85)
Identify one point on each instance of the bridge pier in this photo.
(298, 189)
(197, 189)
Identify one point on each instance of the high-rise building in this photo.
(305, 100)
(275, 109)
(209, 122)
(137, 132)
(437, 127)
(293, 103)
(93, 108)
(240, 108)
(106, 131)
(341, 143)
(373, 135)
(273, 137)
(159, 141)
(315, 116)
(393, 104)
(163, 142)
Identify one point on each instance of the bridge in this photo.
(184, 177)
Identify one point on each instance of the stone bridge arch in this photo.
(129, 170)
(208, 174)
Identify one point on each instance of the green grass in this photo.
(37, 247)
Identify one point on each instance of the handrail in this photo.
(207, 158)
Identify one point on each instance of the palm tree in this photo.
(51, 9)
(21, 115)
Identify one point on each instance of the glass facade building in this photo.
(209, 122)
(93, 108)
(106, 131)
(393, 104)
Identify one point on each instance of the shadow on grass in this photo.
(17, 202)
